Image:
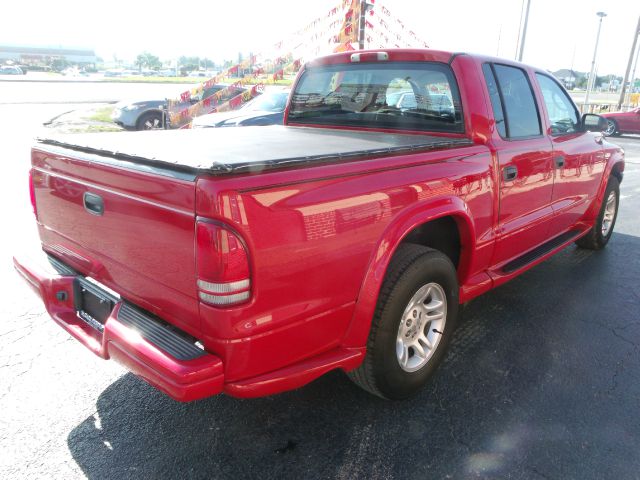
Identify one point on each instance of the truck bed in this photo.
(223, 151)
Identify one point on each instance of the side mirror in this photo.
(593, 122)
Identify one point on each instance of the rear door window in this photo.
(496, 103)
(519, 106)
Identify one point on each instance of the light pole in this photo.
(591, 82)
(636, 33)
(524, 32)
(365, 6)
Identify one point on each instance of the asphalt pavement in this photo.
(542, 381)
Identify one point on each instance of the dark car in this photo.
(267, 109)
(147, 114)
(622, 122)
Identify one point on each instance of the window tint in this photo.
(494, 95)
(519, 105)
(395, 95)
(562, 113)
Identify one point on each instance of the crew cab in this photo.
(251, 261)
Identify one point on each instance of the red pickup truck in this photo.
(253, 260)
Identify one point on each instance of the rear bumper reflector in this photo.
(224, 299)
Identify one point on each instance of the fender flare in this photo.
(402, 224)
(616, 163)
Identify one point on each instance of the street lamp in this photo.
(524, 32)
(592, 82)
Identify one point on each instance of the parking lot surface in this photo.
(542, 381)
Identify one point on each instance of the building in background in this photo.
(55, 58)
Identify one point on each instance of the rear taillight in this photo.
(222, 265)
(32, 194)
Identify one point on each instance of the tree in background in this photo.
(147, 60)
(190, 64)
(59, 64)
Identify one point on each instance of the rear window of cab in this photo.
(421, 96)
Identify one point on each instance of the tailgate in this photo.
(131, 230)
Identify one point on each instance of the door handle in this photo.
(559, 161)
(509, 173)
(93, 203)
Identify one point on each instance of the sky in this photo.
(560, 34)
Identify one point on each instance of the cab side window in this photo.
(562, 113)
(520, 109)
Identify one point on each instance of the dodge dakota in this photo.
(251, 261)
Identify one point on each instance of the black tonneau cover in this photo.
(220, 151)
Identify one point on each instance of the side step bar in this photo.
(540, 251)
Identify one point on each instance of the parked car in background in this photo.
(622, 122)
(113, 73)
(147, 114)
(168, 72)
(267, 109)
(406, 100)
(10, 70)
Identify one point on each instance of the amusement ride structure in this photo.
(350, 25)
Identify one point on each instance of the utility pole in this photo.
(635, 64)
(363, 11)
(629, 63)
(515, 55)
(524, 32)
(591, 82)
(365, 6)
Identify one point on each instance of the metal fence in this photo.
(604, 107)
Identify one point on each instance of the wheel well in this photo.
(616, 173)
(441, 234)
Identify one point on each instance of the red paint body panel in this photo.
(141, 247)
(318, 239)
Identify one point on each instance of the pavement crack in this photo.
(620, 367)
(539, 473)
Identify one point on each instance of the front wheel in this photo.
(414, 319)
(612, 129)
(599, 235)
(150, 121)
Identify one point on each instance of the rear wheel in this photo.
(414, 319)
(612, 129)
(602, 230)
(150, 121)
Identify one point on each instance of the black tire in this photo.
(412, 267)
(612, 129)
(150, 121)
(595, 239)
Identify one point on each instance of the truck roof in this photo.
(408, 55)
(394, 55)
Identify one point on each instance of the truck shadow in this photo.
(529, 364)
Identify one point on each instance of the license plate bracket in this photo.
(93, 304)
